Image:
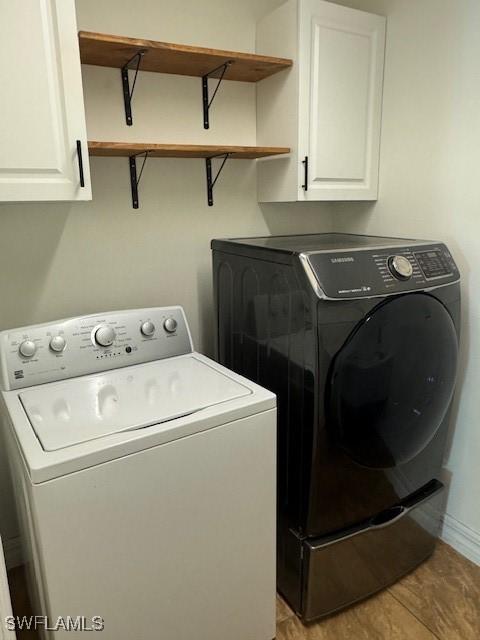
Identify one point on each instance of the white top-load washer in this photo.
(145, 480)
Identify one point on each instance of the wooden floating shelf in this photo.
(162, 57)
(128, 149)
(207, 152)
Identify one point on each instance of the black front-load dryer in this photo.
(358, 337)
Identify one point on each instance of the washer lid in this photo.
(74, 411)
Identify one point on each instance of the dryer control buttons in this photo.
(170, 325)
(28, 348)
(147, 328)
(400, 267)
(433, 264)
(104, 336)
(57, 344)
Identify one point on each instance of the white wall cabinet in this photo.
(43, 139)
(327, 108)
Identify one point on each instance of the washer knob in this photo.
(28, 348)
(400, 267)
(147, 328)
(58, 344)
(105, 336)
(170, 325)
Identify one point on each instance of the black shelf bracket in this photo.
(211, 182)
(127, 92)
(207, 101)
(134, 180)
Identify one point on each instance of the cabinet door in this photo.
(42, 103)
(341, 56)
(5, 606)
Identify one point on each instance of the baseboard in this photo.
(463, 539)
(12, 550)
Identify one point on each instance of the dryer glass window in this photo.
(392, 382)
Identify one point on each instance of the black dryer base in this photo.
(333, 573)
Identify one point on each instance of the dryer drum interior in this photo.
(391, 384)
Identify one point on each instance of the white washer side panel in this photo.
(176, 542)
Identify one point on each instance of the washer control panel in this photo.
(90, 344)
(369, 272)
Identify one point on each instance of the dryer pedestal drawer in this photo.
(349, 568)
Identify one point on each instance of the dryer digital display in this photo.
(433, 264)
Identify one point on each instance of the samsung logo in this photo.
(349, 259)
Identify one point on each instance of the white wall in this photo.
(60, 259)
(80, 258)
(430, 188)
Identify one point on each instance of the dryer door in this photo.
(392, 382)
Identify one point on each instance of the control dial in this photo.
(147, 328)
(104, 336)
(400, 267)
(57, 344)
(170, 325)
(28, 348)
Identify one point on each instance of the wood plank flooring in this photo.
(438, 601)
(378, 618)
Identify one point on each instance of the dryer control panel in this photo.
(90, 344)
(358, 273)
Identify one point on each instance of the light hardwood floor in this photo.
(438, 601)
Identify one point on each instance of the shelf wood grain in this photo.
(162, 57)
(127, 149)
